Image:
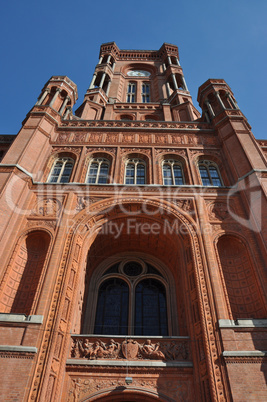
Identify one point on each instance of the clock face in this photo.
(138, 73)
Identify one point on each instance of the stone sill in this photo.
(243, 323)
(244, 353)
(22, 349)
(120, 363)
(21, 318)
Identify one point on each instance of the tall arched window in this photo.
(131, 92)
(131, 300)
(209, 173)
(98, 171)
(135, 172)
(172, 173)
(145, 93)
(61, 170)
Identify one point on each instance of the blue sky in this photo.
(216, 39)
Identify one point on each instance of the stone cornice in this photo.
(137, 125)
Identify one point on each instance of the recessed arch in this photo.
(243, 291)
(22, 288)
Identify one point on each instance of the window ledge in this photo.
(21, 318)
(128, 363)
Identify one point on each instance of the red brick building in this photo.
(133, 241)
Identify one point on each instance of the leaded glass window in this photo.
(135, 172)
(150, 308)
(137, 287)
(145, 93)
(112, 308)
(98, 171)
(209, 173)
(131, 92)
(172, 173)
(61, 171)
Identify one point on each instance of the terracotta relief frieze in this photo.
(49, 223)
(74, 150)
(111, 150)
(191, 139)
(146, 151)
(130, 349)
(159, 151)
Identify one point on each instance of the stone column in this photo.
(219, 99)
(169, 60)
(93, 81)
(177, 61)
(207, 117)
(67, 112)
(66, 100)
(41, 99)
(168, 89)
(174, 81)
(108, 87)
(164, 66)
(210, 109)
(184, 83)
(102, 80)
(100, 59)
(108, 59)
(58, 90)
(233, 103)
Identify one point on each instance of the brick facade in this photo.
(135, 176)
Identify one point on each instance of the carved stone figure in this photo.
(150, 351)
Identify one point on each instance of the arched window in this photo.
(135, 172)
(61, 170)
(133, 303)
(98, 171)
(172, 173)
(209, 173)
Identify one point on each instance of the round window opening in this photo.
(132, 268)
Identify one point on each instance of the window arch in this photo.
(209, 173)
(172, 173)
(98, 171)
(131, 300)
(61, 170)
(135, 172)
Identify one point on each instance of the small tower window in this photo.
(61, 171)
(209, 173)
(145, 93)
(131, 92)
(135, 172)
(98, 172)
(172, 173)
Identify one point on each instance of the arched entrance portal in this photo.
(166, 240)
